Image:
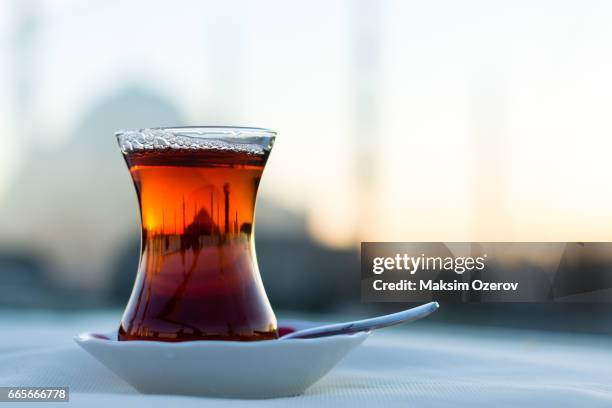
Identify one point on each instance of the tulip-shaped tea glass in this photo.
(198, 277)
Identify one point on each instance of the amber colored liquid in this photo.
(198, 276)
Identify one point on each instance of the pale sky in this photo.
(494, 115)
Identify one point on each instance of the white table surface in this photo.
(421, 365)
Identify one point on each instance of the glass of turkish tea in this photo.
(198, 277)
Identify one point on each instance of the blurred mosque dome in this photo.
(77, 202)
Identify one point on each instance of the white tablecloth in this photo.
(421, 365)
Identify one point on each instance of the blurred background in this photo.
(397, 121)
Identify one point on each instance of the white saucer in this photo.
(261, 369)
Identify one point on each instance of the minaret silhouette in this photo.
(184, 225)
(218, 216)
(366, 33)
(26, 67)
(225, 70)
(489, 191)
(226, 193)
(212, 213)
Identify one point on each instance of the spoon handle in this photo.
(379, 322)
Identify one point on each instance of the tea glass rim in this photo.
(203, 132)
